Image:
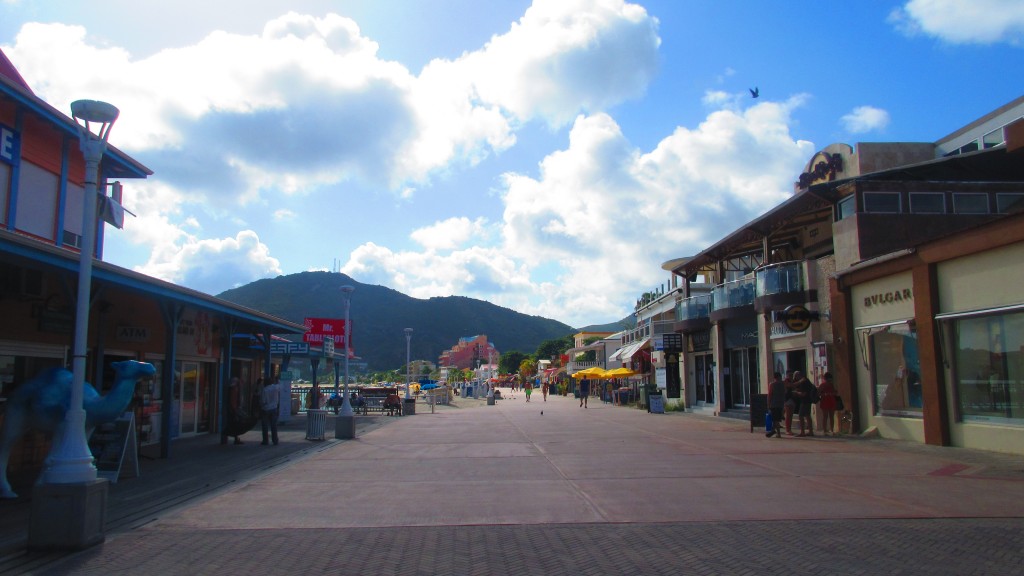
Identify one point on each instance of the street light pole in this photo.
(345, 423)
(69, 502)
(70, 461)
(408, 340)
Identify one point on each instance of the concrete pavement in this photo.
(509, 489)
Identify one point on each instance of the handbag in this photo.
(839, 403)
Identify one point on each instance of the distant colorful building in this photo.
(470, 352)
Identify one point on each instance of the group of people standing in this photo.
(795, 394)
(266, 399)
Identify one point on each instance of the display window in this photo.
(988, 376)
(890, 352)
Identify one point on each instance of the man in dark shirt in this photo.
(804, 391)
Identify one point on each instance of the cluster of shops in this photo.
(896, 267)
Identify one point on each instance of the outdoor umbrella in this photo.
(619, 373)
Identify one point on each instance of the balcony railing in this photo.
(733, 294)
(782, 278)
(694, 308)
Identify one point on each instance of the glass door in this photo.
(704, 379)
(743, 376)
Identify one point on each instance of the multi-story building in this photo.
(470, 352)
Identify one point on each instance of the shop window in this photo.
(987, 369)
(970, 203)
(895, 370)
(882, 202)
(37, 201)
(927, 203)
(1009, 202)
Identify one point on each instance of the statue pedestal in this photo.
(344, 427)
(68, 516)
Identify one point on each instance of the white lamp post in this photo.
(346, 405)
(69, 502)
(345, 423)
(408, 340)
(70, 461)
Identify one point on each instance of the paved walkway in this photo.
(552, 488)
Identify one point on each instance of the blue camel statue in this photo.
(41, 402)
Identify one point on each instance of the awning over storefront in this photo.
(626, 353)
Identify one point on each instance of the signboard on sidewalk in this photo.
(318, 328)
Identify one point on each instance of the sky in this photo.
(545, 156)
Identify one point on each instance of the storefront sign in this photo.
(797, 318)
(891, 297)
(132, 334)
(317, 328)
(10, 145)
(823, 167)
(279, 348)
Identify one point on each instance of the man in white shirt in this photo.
(270, 406)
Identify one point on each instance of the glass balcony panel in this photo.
(734, 294)
(694, 307)
(783, 278)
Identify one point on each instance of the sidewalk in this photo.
(552, 488)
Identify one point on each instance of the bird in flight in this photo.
(754, 92)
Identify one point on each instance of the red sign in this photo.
(317, 328)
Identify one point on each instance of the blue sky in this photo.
(545, 156)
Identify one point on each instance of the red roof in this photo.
(7, 69)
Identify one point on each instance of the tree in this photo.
(554, 348)
(528, 367)
(509, 362)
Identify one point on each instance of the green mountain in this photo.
(379, 316)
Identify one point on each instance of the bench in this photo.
(380, 404)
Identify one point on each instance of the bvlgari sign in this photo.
(890, 297)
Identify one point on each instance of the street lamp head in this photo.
(408, 332)
(87, 112)
(346, 289)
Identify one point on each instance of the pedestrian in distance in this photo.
(805, 392)
(270, 409)
(527, 388)
(584, 392)
(544, 390)
(827, 392)
(792, 402)
(235, 411)
(776, 405)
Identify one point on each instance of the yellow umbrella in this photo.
(592, 372)
(619, 373)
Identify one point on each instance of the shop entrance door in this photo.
(743, 376)
(704, 379)
(187, 394)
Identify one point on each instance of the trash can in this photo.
(316, 422)
(409, 407)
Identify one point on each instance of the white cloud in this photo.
(960, 22)
(865, 119)
(213, 265)
(452, 233)
(608, 215)
(236, 120)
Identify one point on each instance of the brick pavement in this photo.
(506, 489)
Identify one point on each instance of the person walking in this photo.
(776, 405)
(827, 392)
(584, 392)
(527, 388)
(544, 389)
(804, 390)
(270, 409)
